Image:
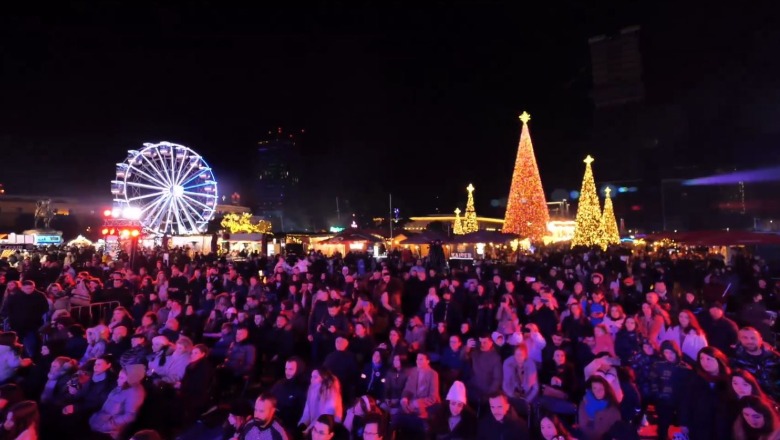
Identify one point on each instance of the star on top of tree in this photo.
(470, 188)
(525, 117)
(588, 160)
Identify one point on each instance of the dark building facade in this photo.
(276, 177)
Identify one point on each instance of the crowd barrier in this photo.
(93, 314)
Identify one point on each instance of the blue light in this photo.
(622, 189)
(574, 195)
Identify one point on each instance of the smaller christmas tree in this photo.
(586, 227)
(470, 218)
(457, 228)
(608, 230)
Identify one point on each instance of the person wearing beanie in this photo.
(454, 419)
(241, 411)
(123, 402)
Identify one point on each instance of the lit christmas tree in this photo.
(526, 207)
(608, 229)
(586, 228)
(470, 218)
(457, 228)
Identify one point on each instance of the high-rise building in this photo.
(277, 173)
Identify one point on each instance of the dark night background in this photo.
(412, 100)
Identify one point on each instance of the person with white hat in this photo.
(455, 420)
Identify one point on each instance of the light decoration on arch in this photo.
(169, 187)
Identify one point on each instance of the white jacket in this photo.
(690, 346)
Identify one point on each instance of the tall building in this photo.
(276, 175)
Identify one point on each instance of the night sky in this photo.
(417, 101)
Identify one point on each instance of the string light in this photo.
(608, 229)
(470, 223)
(457, 228)
(586, 228)
(526, 208)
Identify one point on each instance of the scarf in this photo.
(593, 405)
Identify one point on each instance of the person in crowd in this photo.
(264, 424)
(688, 335)
(374, 428)
(122, 404)
(599, 409)
(487, 368)
(760, 359)
(323, 397)
(758, 419)
(703, 409)
(25, 311)
(241, 411)
(551, 428)
(195, 386)
(502, 422)
(354, 421)
(520, 380)
(290, 393)
(22, 421)
(454, 420)
(721, 331)
(669, 377)
(168, 368)
(397, 376)
(10, 356)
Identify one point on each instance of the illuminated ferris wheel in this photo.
(168, 187)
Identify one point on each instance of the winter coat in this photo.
(690, 345)
(704, 408)
(241, 358)
(119, 410)
(317, 404)
(486, 369)
(466, 429)
(9, 362)
(594, 429)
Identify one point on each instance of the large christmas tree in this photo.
(457, 227)
(470, 219)
(608, 229)
(526, 207)
(586, 228)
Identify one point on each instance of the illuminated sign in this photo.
(461, 256)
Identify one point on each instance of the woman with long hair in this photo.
(743, 383)
(323, 397)
(628, 340)
(688, 335)
(614, 319)
(704, 406)
(22, 421)
(551, 428)
(758, 420)
(599, 409)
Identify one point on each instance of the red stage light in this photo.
(107, 213)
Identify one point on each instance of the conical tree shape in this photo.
(526, 207)
(470, 220)
(586, 228)
(608, 228)
(457, 228)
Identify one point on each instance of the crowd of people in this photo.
(559, 344)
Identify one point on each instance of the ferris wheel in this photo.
(168, 187)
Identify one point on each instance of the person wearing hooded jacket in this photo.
(668, 379)
(704, 407)
(123, 402)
